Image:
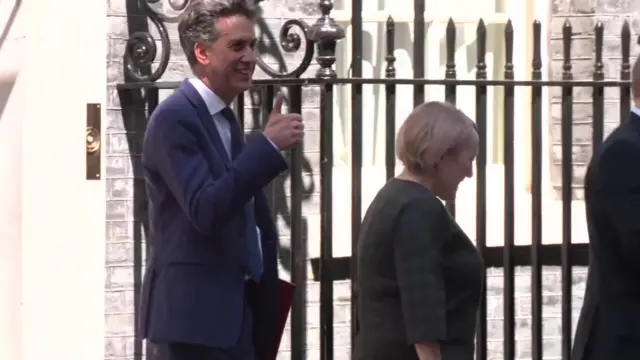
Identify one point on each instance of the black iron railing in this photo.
(324, 34)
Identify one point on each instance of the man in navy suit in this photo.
(210, 289)
(609, 325)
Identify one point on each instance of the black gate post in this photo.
(326, 33)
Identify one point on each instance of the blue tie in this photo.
(254, 256)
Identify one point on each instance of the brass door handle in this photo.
(93, 142)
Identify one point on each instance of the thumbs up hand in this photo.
(283, 130)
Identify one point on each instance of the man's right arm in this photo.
(208, 202)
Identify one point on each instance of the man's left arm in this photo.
(619, 185)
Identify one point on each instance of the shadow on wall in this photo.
(7, 80)
(136, 105)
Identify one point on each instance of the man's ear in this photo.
(200, 50)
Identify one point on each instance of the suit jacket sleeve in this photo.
(619, 172)
(209, 203)
(419, 234)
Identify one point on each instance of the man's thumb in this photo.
(277, 105)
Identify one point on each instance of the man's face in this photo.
(230, 60)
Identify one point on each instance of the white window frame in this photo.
(436, 29)
(517, 10)
(522, 14)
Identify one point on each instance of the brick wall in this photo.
(125, 202)
(584, 15)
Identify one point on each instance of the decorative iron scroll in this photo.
(291, 43)
(141, 51)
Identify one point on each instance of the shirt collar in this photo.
(636, 111)
(213, 102)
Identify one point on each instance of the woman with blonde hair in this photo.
(419, 276)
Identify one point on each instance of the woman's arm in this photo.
(428, 350)
(419, 234)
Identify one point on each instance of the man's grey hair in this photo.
(198, 22)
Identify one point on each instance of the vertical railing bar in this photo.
(390, 106)
(356, 154)
(567, 191)
(325, 33)
(598, 90)
(268, 95)
(481, 182)
(239, 105)
(509, 206)
(450, 73)
(153, 99)
(625, 72)
(326, 222)
(536, 197)
(419, 51)
(298, 242)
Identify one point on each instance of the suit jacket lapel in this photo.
(205, 118)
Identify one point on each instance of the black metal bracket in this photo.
(550, 255)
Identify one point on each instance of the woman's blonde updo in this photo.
(432, 130)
